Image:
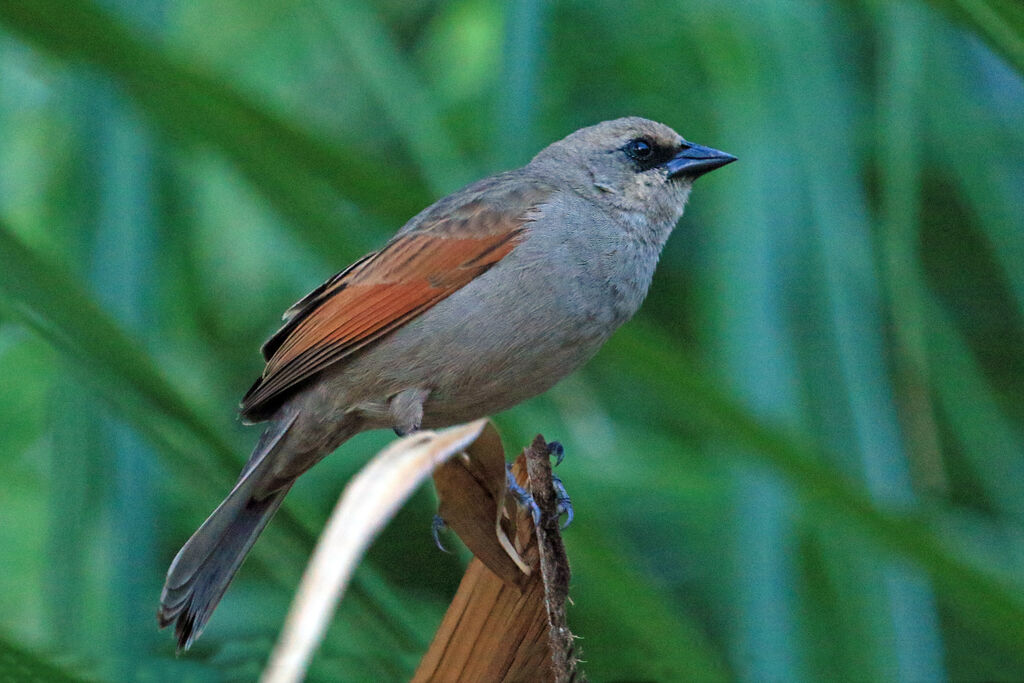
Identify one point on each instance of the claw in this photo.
(522, 496)
(437, 525)
(556, 449)
(564, 504)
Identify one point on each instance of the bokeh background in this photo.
(802, 461)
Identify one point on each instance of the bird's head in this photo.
(637, 168)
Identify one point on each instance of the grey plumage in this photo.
(559, 254)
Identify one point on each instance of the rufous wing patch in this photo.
(382, 291)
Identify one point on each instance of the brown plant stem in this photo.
(512, 629)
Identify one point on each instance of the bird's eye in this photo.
(640, 149)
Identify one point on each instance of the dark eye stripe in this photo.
(659, 154)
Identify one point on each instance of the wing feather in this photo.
(418, 268)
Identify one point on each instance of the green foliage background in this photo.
(802, 461)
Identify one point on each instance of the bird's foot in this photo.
(521, 495)
(557, 450)
(436, 527)
(525, 500)
(564, 504)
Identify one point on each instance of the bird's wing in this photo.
(447, 249)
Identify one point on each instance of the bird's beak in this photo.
(696, 160)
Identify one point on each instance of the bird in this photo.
(484, 299)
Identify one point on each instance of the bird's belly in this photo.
(502, 353)
(475, 390)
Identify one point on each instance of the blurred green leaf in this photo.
(990, 193)
(400, 93)
(49, 301)
(642, 637)
(842, 115)
(983, 600)
(523, 52)
(20, 664)
(992, 443)
(305, 177)
(53, 304)
(1000, 23)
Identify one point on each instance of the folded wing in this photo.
(418, 268)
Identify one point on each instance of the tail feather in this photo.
(205, 565)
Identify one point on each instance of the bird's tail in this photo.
(205, 565)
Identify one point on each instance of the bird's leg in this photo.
(406, 412)
(405, 409)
